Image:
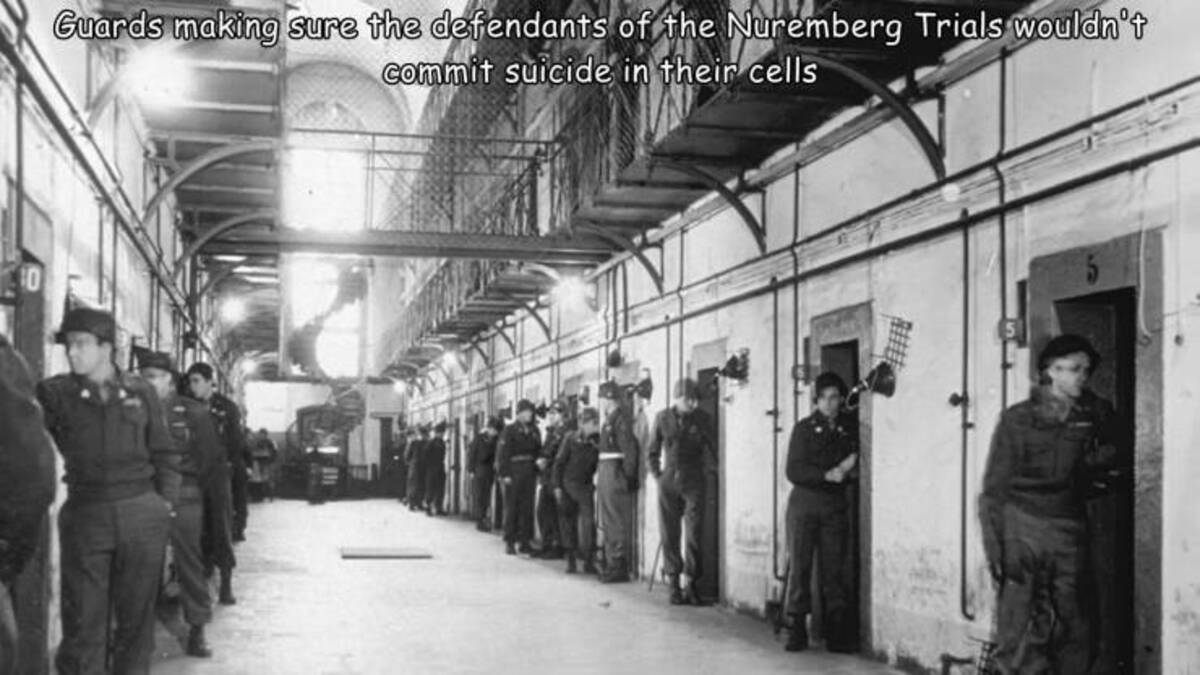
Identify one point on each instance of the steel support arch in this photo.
(532, 311)
(482, 354)
(717, 185)
(628, 245)
(210, 158)
(217, 230)
(511, 344)
(213, 279)
(929, 145)
(544, 270)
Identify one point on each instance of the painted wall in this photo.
(923, 271)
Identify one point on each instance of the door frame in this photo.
(846, 324)
(1134, 260)
(704, 356)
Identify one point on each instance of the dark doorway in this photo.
(391, 460)
(1109, 321)
(842, 358)
(709, 584)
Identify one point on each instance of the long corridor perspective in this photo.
(467, 609)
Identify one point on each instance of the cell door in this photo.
(709, 584)
(1111, 293)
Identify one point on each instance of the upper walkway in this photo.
(470, 609)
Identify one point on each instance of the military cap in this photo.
(1065, 345)
(202, 369)
(87, 320)
(152, 359)
(559, 407)
(687, 388)
(526, 404)
(440, 427)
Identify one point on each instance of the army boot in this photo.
(589, 566)
(691, 595)
(525, 548)
(798, 634)
(840, 639)
(196, 644)
(571, 563)
(226, 594)
(676, 591)
(510, 548)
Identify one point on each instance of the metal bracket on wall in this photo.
(929, 145)
(628, 245)
(717, 185)
(210, 158)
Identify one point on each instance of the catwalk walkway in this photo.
(303, 610)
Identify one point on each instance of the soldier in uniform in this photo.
(1033, 511)
(619, 467)
(435, 472)
(821, 454)
(481, 470)
(219, 500)
(547, 505)
(229, 424)
(519, 447)
(415, 459)
(682, 454)
(195, 435)
(26, 485)
(122, 475)
(573, 473)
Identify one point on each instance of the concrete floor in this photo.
(470, 609)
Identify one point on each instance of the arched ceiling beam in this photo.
(628, 245)
(217, 230)
(210, 158)
(544, 270)
(929, 145)
(717, 185)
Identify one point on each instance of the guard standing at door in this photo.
(195, 436)
(573, 470)
(229, 425)
(415, 459)
(547, 505)
(481, 470)
(1033, 511)
(518, 449)
(821, 456)
(122, 476)
(26, 485)
(619, 466)
(435, 471)
(682, 455)
(220, 494)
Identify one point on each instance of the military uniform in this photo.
(616, 484)
(480, 464)
(573, 473)
(518, 449)
(122, 475)
(1033, 513)
(193, 431)
(547, 505)
(415, 460)
(435, 475)
(228, 418)
(818, 519)
(681, 455)
(26, 485)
